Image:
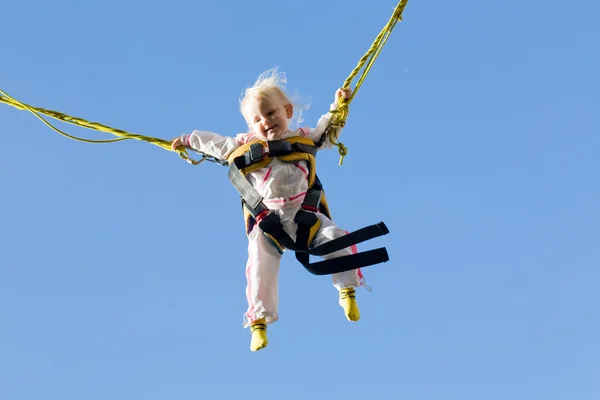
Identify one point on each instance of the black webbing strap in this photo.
(271, 224)
(305, 221)
(344, 263)
(352, 238)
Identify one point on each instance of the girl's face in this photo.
(268, 116)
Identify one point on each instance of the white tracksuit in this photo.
(283, 186)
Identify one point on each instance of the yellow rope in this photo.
(341, 112)
(122, 135)
(337, 122)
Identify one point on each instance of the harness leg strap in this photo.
(271, 225)
(358, 236)
(344, 263)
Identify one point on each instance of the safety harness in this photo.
(258, 154)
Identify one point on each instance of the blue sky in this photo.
(475, 138)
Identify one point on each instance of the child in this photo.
(267, 110)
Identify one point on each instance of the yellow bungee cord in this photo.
(365, 63)
(122, 135)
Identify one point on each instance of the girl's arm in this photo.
(208, 143)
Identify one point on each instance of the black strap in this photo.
(344, 263)
(305, 220)
(359, 236)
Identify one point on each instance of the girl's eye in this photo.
(272, 112)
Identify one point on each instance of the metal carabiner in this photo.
(186, 157)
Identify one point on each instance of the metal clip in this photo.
(189, 160)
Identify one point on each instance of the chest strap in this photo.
(273, 148)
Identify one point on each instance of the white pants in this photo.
(262, 268)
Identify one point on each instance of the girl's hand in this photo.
(342, 93)
(175, 143)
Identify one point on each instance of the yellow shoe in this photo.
(258, 329)
(348, 303)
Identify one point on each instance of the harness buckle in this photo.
(277, 148)
(256, 153)
(305, 218)
(270, 223)
(312, 199)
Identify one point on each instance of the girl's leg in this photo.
(346, 281)
(262, 270)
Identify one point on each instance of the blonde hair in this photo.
(269, 83)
